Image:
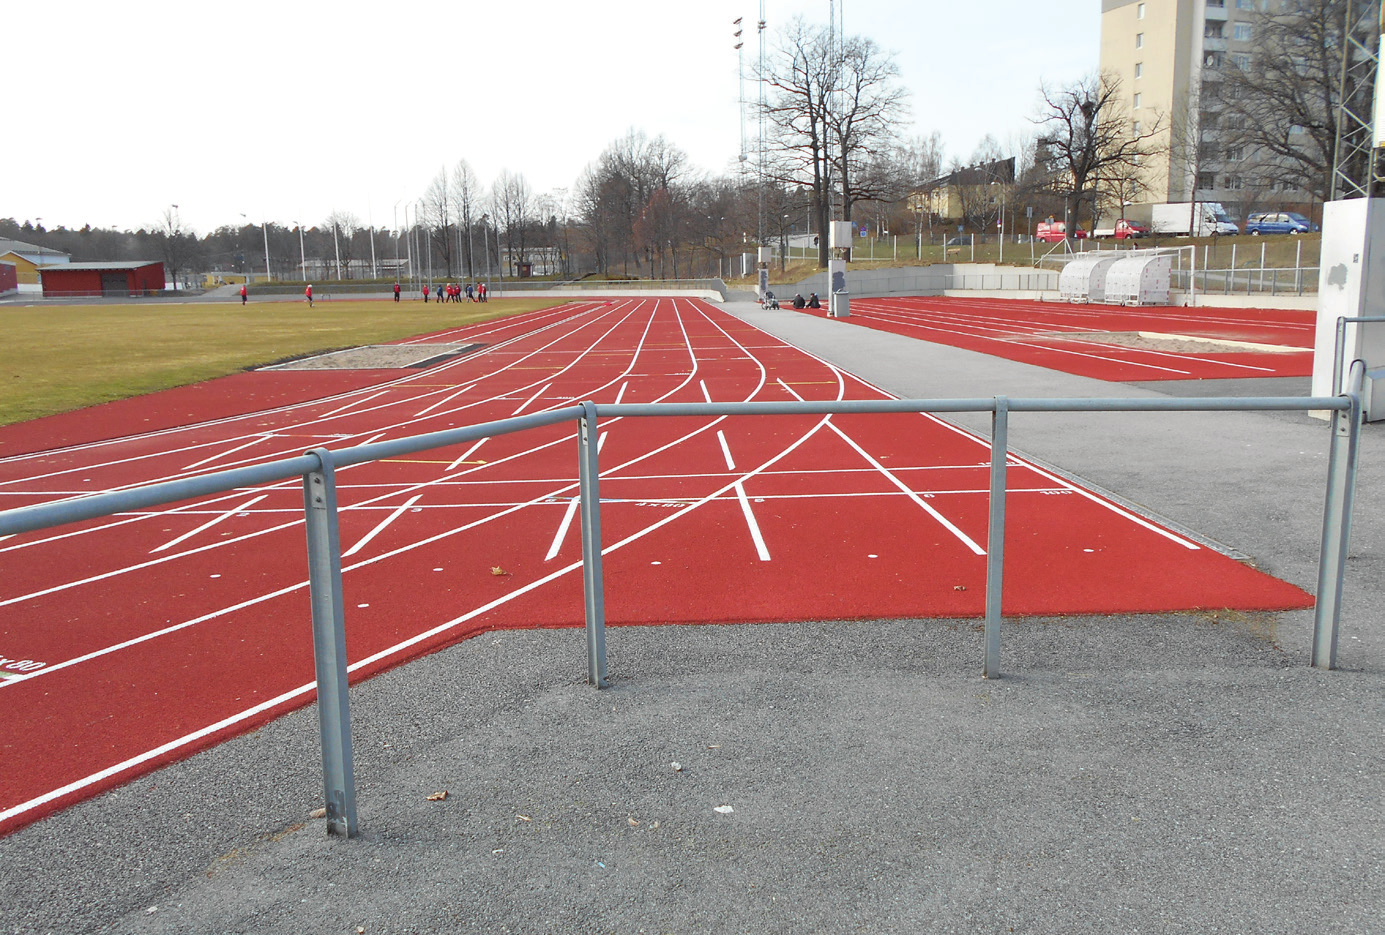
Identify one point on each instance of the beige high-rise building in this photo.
(1169, 57)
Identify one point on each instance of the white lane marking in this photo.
(623, 386)
(351, 405)
(908, 491)
(1137, 520)
(444, 400)
(525, 405)
(966, 540)
(220, 455)
(435, 538)
(760, 548)
(562, 529)
(705, 395)
(398, 512)
(725, 451)
(310, 421)
(466, 454)
(210, 523)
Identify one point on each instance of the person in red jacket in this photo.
(242, 294)
(425, 293)
(308, 294)
(396, 292)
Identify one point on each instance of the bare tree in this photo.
(343, 225)
(466, 189)
(1282, 99)
(512, 206)
(438, 214)
(177, 246)
(1089, 139)
(802, 76)
(862, 117)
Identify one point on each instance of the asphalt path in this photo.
(1179, 773)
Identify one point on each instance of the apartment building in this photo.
(1170, 57)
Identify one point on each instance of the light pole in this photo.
(336, 244)
(396, 239)
(302, 253)
(268, 274)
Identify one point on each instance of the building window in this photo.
(1241, 32)
(1206, 181)
(1241, 60)
(1235, 153)
(1135, 127)
(1232, 182)
(1212, 30)
(1245, 4)
(1212, 60)
(1139, 40)
(1139, 11)
(1139, 69)
(1137, 101)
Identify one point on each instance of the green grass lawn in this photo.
(55, 358)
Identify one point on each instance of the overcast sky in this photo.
(289, 110)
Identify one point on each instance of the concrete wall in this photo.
(929, 280)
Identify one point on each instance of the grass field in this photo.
(56, 358)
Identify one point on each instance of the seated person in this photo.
(798, 301)
(813, 301)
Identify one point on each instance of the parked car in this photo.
(1278, 222)
(1122, 229)
(959, 242)
(1052, 231)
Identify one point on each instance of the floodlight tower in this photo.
(761, 80)
(740, 80)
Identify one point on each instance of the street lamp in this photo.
(265, 225)
(302, 254)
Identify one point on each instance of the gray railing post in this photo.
(593, 586)
(1336, 526)
(995, 535)
(329, 644)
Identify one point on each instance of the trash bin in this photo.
(841, 304)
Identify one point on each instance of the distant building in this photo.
(949, 197)
(1170, 57)
(124, 279)
(27, 258)
(9, 279)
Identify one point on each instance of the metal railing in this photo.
(1288, 280)
(317, 469)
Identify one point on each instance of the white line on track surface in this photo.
(760, 548)
(209, 524)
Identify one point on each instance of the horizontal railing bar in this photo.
(56, 513)
(43, 515)
(820, 407)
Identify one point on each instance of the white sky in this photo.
(289, 110)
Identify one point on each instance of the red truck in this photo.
(1123, 229)
(1052, 231)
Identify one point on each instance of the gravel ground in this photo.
(1147, 774)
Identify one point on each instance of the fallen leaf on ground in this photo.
(497, 570)
(633, 822)
(524, 818)
(438, 796)
(318, 813)
(959, 587)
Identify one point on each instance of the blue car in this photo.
(1278, 222)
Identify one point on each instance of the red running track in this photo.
(159, 633)
(1060, 336)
